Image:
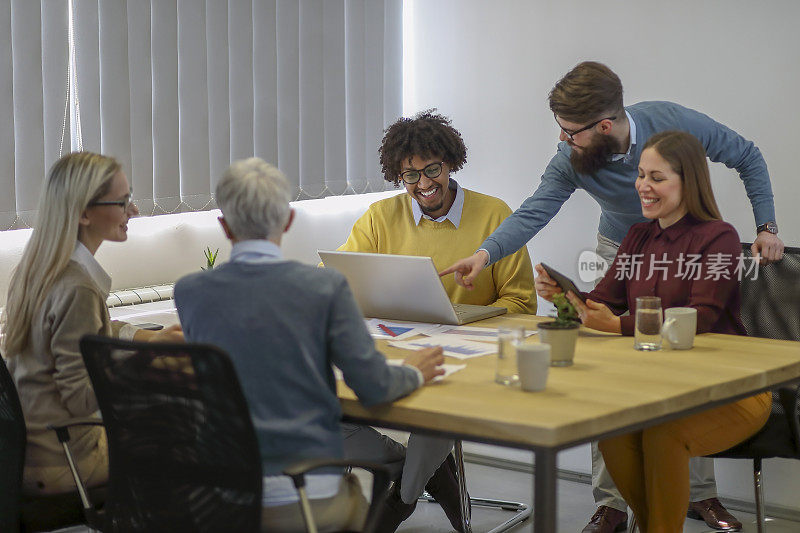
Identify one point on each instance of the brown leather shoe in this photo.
(607, 520)
(714, 515)
(443, 486)
(392, 511)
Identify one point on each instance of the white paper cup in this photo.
(533, 360)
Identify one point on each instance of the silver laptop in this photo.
(402, 287)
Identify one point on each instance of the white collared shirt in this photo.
(453, 215)
(85, 259)
(256, 251)
(100, 277)
(627, 155)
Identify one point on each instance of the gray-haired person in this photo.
(284, 325)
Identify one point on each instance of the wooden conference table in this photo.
(611, 389)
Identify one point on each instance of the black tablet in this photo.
(150, 325)
(563, 281)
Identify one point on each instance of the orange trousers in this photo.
(651, 467)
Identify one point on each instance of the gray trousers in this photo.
(416, 463)
(703, 484)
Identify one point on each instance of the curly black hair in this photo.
(426, 135)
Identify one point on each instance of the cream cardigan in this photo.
(52, 381)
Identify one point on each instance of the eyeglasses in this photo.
(572, 134)
(431, 171)
(124, 204)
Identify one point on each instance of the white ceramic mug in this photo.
(533, 361)
(680, 325)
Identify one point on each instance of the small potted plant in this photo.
(562, 333)
(211, 258)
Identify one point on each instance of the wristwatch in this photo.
(770, 226)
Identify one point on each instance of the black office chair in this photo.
(771, 308)
(23, 513)
(771, 301)
(183, 454)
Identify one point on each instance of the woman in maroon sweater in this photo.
(689, 257)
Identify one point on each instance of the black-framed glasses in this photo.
(124, 204)
(431, 171)
(572, 134)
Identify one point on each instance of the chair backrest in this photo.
(771, 301)
(183, 454)
(12, 451)
(771, 308)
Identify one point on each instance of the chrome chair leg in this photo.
(466, 518)
(305, 507)
(759, 495)
(521, 511)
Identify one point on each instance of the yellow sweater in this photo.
(388, 228)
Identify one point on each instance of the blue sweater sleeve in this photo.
(535, 212)
(723, 145)
(352, 350)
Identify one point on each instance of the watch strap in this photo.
(770, 226)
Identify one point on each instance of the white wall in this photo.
(490, 66)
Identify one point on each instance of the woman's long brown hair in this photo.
(687, 157)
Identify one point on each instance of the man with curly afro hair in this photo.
(439, 219)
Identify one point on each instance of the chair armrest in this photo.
(301, 468)
(62, 432)
(62, 427)
(380, 473)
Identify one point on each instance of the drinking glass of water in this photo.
(508, 337)
(647, 334)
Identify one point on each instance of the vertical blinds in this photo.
(33, 83)
(176, 89)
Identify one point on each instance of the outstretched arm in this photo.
(513, 281)
(522, 225)
(723, 145)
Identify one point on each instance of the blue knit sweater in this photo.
(284, 324)
(613, 185)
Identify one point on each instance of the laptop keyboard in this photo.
(463, 309)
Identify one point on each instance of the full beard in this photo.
(594, 156)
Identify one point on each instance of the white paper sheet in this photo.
(452, 345)
(162, 312)
(471, 333)
(448, 369)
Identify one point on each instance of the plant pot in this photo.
(561, 336)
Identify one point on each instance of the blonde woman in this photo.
(57, 294)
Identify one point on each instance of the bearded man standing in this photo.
(601, 142)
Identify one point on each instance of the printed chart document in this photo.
(452, 345)
(470, 333)
(380, 328)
